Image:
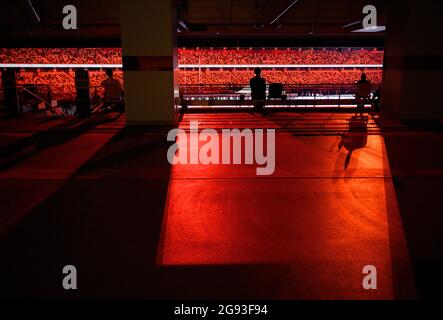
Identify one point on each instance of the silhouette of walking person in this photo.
(355, 138)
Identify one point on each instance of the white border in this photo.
(193, 66)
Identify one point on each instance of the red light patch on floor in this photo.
(322, 215)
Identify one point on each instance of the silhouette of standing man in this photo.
(113, 90)
(258, 90)
(363, 91)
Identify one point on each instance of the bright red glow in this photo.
(62, 82)
(241, 77)
(62, 55)
(62, 86)
(193, 56)
(318, 220)
(280, 56)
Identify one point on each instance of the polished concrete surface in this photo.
(348, 190)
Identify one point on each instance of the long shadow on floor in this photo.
(106, 221)
(22, 149)
(356, 137)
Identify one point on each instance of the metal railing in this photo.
(293, 94)
(34, 94)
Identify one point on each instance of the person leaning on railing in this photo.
(363, 91)
(113, 91)
(258, 90)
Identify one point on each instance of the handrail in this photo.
(224, 90)
(284, 84)
(294, 94)
(45, 102)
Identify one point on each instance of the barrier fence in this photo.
(292, 95)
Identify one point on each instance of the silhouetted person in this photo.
(363, 91)
(363, 79)
(258, 90)
(113, 90)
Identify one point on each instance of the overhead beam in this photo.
(31, 5)
(284, 11)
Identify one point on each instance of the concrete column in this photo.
(82, 93)
(10, 92)
(149, 61)
(413, 73)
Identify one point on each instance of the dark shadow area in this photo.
(106, 220)
(415, 157)
(22, 149)
(250, 109)
(237, 281)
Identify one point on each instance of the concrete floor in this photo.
(102, 197)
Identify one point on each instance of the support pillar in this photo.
(413, 66)
(10, 92)
(82, 90)
(149, 61)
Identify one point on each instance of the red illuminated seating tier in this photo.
(196, 56)
(63, 87)
(62, 55)
(285, 77)
(289, 56)
(62, 82)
